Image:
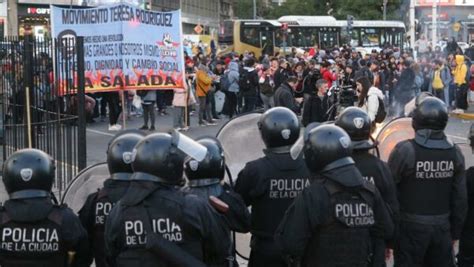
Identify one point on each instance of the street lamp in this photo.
(385, 9)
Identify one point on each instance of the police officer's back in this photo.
(430, 177)
(270, 184)
(98, 205)
(205, 179)
(339, 219)
(34, 231)
(356, 122)
(155, 210)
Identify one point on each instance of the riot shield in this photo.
(391, 134)
(88, 181)
(3, 194)
(241, 141)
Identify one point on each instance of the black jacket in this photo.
(308, 220)
(284, 98)
(252, 76)
(280, 76)
(403, 164)
(57, 226)
(183, 219)
(94, 213)
(315, 109)
(270, 184)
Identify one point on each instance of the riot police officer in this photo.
(356, 122)
(430, 177)
(341, 217)
(205, 179)
(36, 232)
(155, 211)
(466, 242)
(98, 205)
(269, 184)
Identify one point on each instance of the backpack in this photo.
(225, 82)
(244, 81)
(381, 112)
(266, 88)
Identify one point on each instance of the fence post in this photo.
(82, 146)
(28, 88)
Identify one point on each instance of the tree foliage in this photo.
(360, 9)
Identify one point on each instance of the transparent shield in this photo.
(3, 194)
(85, 183)
(393, 133)
(242, 143)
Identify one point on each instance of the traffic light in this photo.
(350, 22)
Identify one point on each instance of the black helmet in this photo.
(356, 122)
(279, 127)
(158, 159)
(120, 155)
(123, 132)
(212, 167)
(431, 113)
(327, 147)
(28, 173)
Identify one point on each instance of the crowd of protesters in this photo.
(304, 81)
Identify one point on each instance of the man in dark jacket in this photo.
(284, 95)
(282, 73)
(249, 85)
(316, 107)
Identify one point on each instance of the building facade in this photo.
(25, 16)
(455, 19)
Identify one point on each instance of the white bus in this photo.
(327, 32)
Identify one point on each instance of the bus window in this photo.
(370, 37)
(355, 38)
(250, 35)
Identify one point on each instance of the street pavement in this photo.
(98, 135)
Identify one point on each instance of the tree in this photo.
(243, 9)
(360, 9)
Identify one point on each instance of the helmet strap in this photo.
(29, 193)
(121, 176)
(203, 182)
(338, 164)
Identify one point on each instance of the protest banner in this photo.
(125, 47)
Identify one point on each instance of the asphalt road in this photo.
(98, 135)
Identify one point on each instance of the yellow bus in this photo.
(245, 36)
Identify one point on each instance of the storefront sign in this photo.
(441, 16)
(38, 11)
(124, 47)
(439, 2)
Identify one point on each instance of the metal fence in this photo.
(42, 101)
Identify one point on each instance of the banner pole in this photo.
(124, 115)
(186, 96)
(28, 116)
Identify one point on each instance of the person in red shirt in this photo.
(328, 72)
